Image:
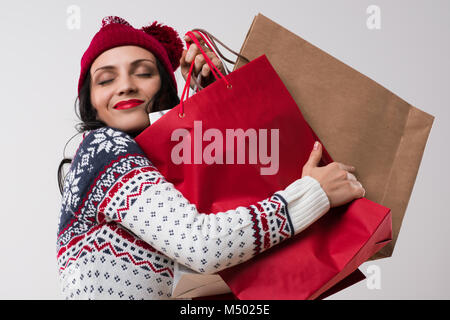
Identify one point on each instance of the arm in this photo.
(129, 190)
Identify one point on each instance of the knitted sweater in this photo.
(123, 226)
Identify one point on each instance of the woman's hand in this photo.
(200, 66)
(336, 179)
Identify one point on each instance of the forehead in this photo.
(119, 56)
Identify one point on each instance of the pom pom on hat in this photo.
(169, 38)
(114, 19)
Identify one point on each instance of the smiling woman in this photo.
(94, 89)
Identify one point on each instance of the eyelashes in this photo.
(144, 75)
(104, 82)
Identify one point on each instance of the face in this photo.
(119, 75)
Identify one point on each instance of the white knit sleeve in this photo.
(160, 215)
(130, 191)
(307, 202)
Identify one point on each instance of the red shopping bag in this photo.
(254, 98)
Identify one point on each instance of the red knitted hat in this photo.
(163, 41)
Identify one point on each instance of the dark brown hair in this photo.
(165, 98)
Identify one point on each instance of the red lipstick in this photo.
(127, 104)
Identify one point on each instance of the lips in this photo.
(128, 104)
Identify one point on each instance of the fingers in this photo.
(193, 54)
(194, 51)
(351, 177)
(314, 157)
(189, 40)
(201, 65)
(184, 65)
(357, 189)
(346, 167)
(205, 70)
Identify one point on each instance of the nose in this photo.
(126, 86)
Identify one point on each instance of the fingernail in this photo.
(316, 145)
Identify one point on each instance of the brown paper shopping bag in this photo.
(190, 284)
(359, 122)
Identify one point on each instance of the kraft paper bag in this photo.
(359, 121)
(304, 266)
(190, 284)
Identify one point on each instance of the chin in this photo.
(138, 124)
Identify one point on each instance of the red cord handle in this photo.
(216, 72)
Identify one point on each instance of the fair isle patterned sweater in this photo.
(123, 226)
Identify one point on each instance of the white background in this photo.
(39, 69)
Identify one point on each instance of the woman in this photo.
(122, 225)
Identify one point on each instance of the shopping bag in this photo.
(350, 280)
(359, 121)
(190, 284)
(335, 245)
(254, 98)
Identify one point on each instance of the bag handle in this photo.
(216, 72)
(210, 44)
(212, 39)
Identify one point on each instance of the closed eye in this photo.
(104, 82)
(145, 75)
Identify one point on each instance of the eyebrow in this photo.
(133, 64)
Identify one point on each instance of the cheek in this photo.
(153, 87)
(99, 99)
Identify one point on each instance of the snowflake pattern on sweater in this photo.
(123, 226)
